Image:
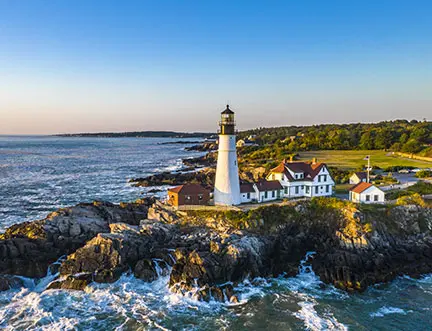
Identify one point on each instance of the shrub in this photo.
(413, 199)
(421, 188)
(424, 174)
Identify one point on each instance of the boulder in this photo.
(126, 247)
(71, 282)
(28, 248)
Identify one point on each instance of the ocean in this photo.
(41, 174)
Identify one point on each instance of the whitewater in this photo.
(41, 174)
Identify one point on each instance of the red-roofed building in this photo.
(303, 179)
(189, 194)
(366, 193)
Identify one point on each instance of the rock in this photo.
(209, 255)
(203, 147)
(145, 270)
(7, 282)
(126, 246)
(78, 282)
(204, 177)
(28, 248)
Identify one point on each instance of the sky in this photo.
(101, 66)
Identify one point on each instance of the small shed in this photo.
(188, 194)
(358, 177)
(366, 193)
(247, 193)
(268, 190)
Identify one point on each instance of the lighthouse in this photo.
(227, 184)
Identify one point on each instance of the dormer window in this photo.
(299, 176)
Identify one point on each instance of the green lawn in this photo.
(350, 160)
(342, 188)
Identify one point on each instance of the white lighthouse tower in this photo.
(227, 184)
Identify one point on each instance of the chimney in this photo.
(314, 160)
(291, 158)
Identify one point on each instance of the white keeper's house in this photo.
(303, 179)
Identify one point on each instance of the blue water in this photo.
(40, 174)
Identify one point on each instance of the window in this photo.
(376, 197)
(307, 189)
(327, 188)
(316, 189)
(248, 195)
(319, 178)
(302, 187)
(273, 194)
(187, 197)
(286, 190)
(296, 176)
(200, 196)
(296, 190)
(235, 162)
(367, 197)
(273, 176)
(324, 178)
(265, 194)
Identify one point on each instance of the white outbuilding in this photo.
(366, 193)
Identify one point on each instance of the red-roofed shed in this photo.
(188, 194)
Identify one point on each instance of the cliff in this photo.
(355, 246)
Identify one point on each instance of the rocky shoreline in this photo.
(209, 252)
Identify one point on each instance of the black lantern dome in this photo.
(227, 124)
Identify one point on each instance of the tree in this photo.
(383, 139)
(412, 146)
(367, 141)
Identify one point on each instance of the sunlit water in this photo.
(41, 174)
(37, 175)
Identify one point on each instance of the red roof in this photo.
(269, 185)
(189, 189)
(309, 170)
(246, 188)
(360, 187)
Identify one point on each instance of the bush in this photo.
(424, 174)
(413, 199)
(421, 188)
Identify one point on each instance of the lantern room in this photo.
(227, 124)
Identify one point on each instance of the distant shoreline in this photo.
(139, 134)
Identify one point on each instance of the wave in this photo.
(389, 310)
